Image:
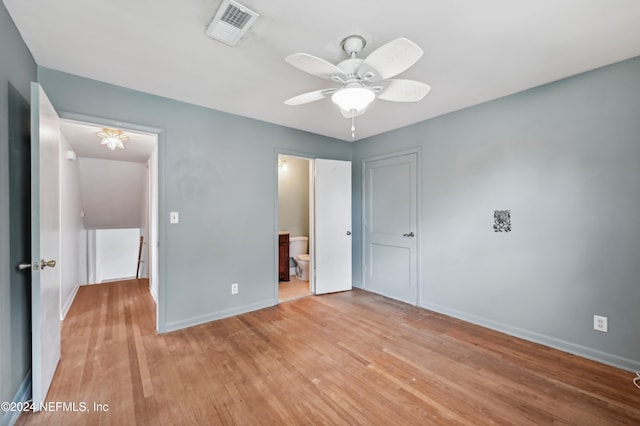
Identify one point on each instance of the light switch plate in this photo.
(174, 217)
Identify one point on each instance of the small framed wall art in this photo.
(501, 220)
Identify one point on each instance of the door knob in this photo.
(50, 264)
(22, 266)
(348, 232)
(410, 234)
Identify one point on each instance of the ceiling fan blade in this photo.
(398, 90)
(348, 114)
(314, 65)
(305, 98)
(392, 58)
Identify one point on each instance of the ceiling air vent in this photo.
(231, 22)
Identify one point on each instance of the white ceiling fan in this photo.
(363, 80)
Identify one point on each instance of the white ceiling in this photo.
(84, 142)
(475, 51)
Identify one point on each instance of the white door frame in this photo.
(312, 225)
(363, 227)
(153, 248)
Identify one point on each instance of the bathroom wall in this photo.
(293, 196)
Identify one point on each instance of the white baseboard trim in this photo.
(154, 293)
(212, 316)
(23, 394)
(292, 271)
(572, 348)
(69, 302)
(111, 280)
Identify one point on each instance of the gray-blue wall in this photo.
(219, 171)
(17, 69)
(565, 159)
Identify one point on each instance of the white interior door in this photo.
(45, 243)
(390, 227)
(332, 230)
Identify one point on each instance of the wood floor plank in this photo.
(351, 358)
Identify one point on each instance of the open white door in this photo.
(45, 243)
(332, 230)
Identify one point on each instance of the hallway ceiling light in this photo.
(112, 138)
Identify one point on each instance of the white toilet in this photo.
(298, 247)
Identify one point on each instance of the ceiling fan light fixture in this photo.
(353, 98)
(363, 80)
(112, 138)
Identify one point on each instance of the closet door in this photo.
(390, 234)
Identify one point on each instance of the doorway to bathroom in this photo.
(314, 226)
(294, 227)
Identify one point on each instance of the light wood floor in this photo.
(347, 358)
(292, 289)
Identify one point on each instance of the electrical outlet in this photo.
(234, 288)
(600, 323)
